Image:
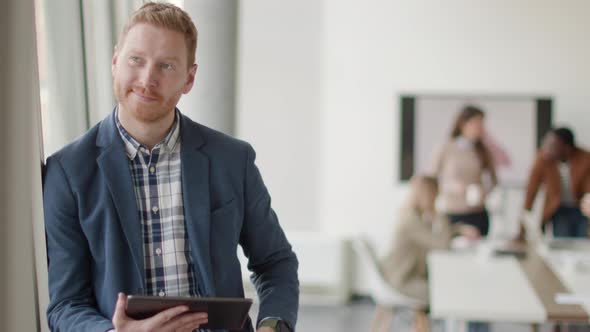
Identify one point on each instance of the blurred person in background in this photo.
(465, 169)
(419, 229)
(563, 169)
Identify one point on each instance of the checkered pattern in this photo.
(158, 190)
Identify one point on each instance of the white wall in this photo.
(212, 99)
(375, 50)
(319, 83)
(278, 101)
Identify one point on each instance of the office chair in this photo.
(387, 299)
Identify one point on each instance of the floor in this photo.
(356, 317)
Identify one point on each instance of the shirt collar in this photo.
(132, 146)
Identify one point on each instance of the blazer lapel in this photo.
(114, 164)
(577, 173)
(195, 191)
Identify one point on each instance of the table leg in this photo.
(455, 325)
(382, 320)
(449, 325)
(462, 326)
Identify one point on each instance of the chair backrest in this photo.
(380, 290)
(366, 253)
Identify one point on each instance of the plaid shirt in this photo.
(158, 190)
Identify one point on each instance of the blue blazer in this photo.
(94, 240)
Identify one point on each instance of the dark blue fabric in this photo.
(478, 327)
(94, 242)
(569, 222)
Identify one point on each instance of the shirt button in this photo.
(161, 293)
(155, 209)
(158, 251)
(152, 169)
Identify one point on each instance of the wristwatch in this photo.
(277, 324)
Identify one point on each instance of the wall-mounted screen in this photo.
(514, 127)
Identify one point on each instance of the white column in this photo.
(212, 100)
(20, 169)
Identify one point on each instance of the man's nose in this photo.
(148, 77)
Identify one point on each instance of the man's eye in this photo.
(165, 66)
(135, 59)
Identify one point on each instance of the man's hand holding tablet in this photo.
(177, 318)
(173, 313)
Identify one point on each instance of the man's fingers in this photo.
(187, 322)
(163, 317)
(189, 327)
(192, 325)
(120, 313)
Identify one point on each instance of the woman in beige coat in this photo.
(466, 171)
(419, 230)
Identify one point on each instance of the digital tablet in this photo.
(224, 312)
(511, 249)
(510, 252)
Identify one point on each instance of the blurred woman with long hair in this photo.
(465, 170)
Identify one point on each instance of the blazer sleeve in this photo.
(534, 182)
(270, 257)
(72, 305)
(585, 182)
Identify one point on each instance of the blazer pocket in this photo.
(223, 209)
(225, 229)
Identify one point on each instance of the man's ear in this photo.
(190, 81)
(114, 60)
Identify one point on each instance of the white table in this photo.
(572, 266)
(469, 286)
